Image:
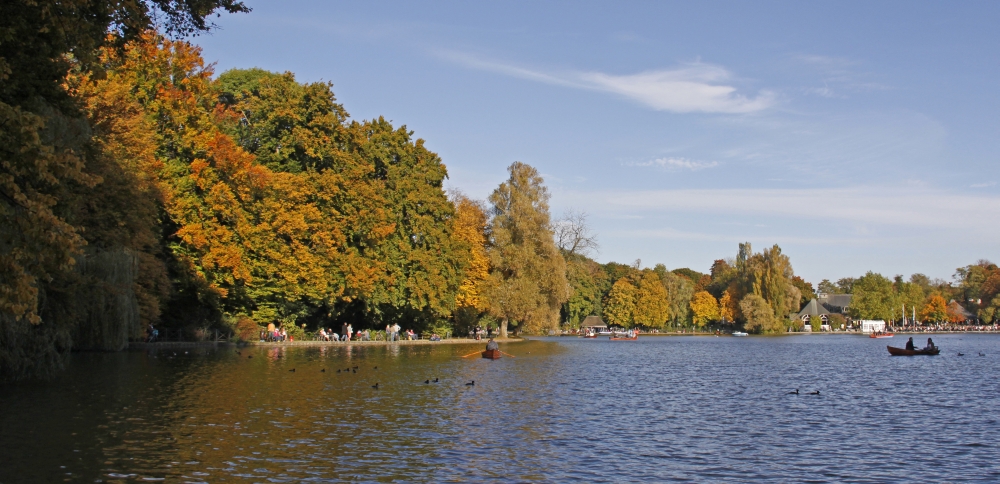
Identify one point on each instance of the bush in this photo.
(247, 329)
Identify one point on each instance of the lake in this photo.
(562, 409)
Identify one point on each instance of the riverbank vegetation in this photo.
(139, 188)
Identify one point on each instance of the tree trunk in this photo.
(503, 328)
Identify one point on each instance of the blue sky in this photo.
(857, 136)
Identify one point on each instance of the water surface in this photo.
(665, 408)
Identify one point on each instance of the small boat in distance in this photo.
(624, 338)
(492, 354)
(881, 335)
(739, 333)
(893, 351)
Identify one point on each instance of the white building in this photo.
(871, 325)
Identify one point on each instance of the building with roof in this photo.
(593, 322)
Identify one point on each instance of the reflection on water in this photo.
(700, 408)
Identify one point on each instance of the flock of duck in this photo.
(354, 369)
(796, 392)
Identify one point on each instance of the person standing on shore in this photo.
(349, 332)
(395, 332)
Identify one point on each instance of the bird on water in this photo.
(427, 382)
(961, 354)
(471, 383)
(435, 380)
(375, 386)
(796, 392)
(814, 393)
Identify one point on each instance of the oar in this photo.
(508, 354)
(473, 353)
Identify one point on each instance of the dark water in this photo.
(676, 408)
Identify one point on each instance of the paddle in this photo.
(508, 354)
(473, 353)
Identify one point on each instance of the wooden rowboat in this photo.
(590, 336)
(615, 338)
(492, 354)
(905, 352)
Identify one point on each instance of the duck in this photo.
(961, 354)
(796, 392)
(471, 383)
(426, 382)
(292, 370)
(375, 368)
(375, 386)
(338, 370)
(251, 356)
(814, 393)
(323, 370)
(435, 380)
(982, 354)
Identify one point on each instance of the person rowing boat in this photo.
(492, 345)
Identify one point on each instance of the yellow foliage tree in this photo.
(470, 229)
(652, 308)
(619, 308)
(705, 308)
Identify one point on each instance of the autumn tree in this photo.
(652, 306)
(620, 305)
(44, 140)
(470, 229)
(935, 310)
(527, 284)
(704, 308)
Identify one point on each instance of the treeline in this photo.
(138, 189)
(975, 296)
(756, 291)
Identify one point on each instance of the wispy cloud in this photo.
(918, 208)
(983, 185)
(697, 87)
(677, 164)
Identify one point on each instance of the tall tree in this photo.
(470, 228)
(528, 283)
(652, 306)
(619, 308)
(704, 308)
(935, 311)
(874, 298)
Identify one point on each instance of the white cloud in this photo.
(695, 87)
(678, 164)
(926, 210)
(983, 185)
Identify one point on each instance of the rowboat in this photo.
(590, 336)
(739, 333)
(492, 354)
(883, 335)
(905, 352)
(623, 338)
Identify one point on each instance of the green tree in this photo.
(874, 298)
(759, 315)
(585, 278)
(806, 289)
(528, 284)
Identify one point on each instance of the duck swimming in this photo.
(796, 392)
(814, 393)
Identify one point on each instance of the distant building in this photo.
(593, 322)
(810, 312)
(835, 303)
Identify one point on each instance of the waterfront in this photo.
(699, 408)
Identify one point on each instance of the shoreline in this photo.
(422, 342)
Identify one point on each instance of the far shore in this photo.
(421, 342)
